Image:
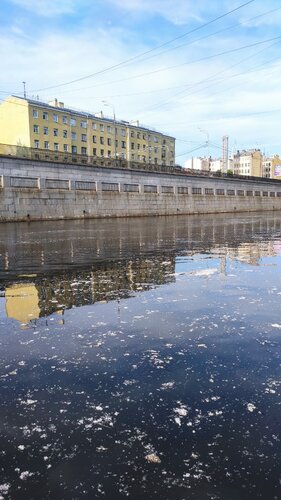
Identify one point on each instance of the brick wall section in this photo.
(32, 190)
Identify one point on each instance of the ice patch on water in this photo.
(251, 407)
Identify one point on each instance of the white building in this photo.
(198, 163)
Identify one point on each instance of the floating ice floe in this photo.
(4, 488)
(181, 411)
(276, 325)
(25, 475)
(153, 458)
(251, 407)
(167, 385)
(29, 402)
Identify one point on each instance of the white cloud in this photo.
(47, 8)
(178, 12)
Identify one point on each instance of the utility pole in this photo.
(207, 144)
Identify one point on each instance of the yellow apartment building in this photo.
(51, 126)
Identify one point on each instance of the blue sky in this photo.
(199, 76)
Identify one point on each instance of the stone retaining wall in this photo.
(32, 190)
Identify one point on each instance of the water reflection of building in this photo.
(22, 302)
(27, 301)
(115, 259)
(252, 253)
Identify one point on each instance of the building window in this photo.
(56, 132)
(56, 146)
(102, 152)
(36, 129)
(46, 144)
(64, 134)
(55, 117)
(123, 132)
(132, 145)
(73, 136)
(102, 140)
(132, 133)
(83, 151)
(45, 115)
(65, 147)
(73, 149)
(64, 119)
(72, 122)
(116, 143)
(109, 154)
(144, 137)
(109, 142)
(83, 124)
(35, 113)
(155, 139)
(108, 128)
(83, 137)
(45, 131)
(138, 146)
(94, 151)
(196, 190)
(94, 138)
(36, 143)
(94, 125)
(138, 135)
(101, 127)
(123, 144)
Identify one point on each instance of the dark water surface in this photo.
(141, 358)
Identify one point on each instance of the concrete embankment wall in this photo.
(33, 190)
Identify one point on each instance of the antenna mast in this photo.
(24, 90)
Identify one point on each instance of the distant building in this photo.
(216, 164)
(248, 163)
(271, 167)
(198, 163)
(30, 123)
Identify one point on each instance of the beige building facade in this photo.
(248, 163)
(35, 124)
(271, 167)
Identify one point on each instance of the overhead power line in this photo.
(211, 78)
(134, 58)
(140, 75)
(206, 58)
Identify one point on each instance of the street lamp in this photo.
(106, 103)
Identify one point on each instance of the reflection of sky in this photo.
(277, 246)
(2, 307)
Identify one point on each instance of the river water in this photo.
(140, 358)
